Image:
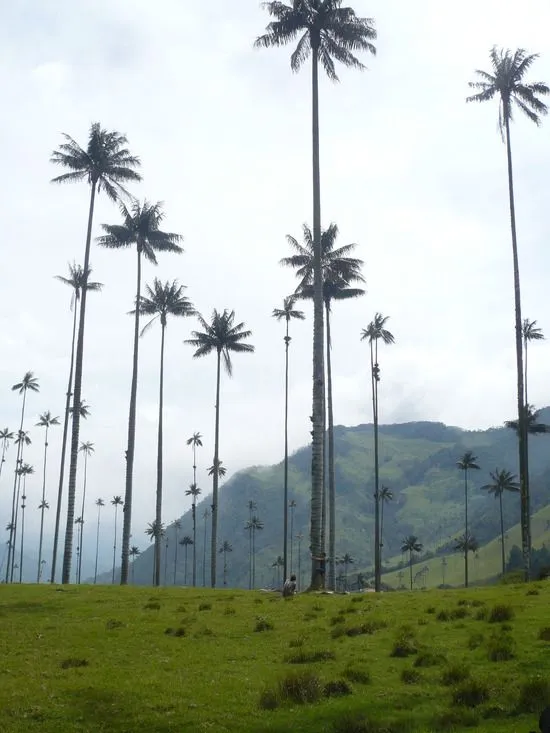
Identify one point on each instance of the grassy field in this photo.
(134, 659)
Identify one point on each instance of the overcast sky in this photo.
(409, 171)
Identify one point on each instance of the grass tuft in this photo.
(410, 676)
(152, 606)
(534, 695)
(205, 607)
(544, 633)
(300, 687)
(269, 700)
(263, 624)
(471, 694)
(405, 643)
(312, 657)
(501, 613)
(74, 663)
(455, 674)
(500, 648)
(337, 688)
(355, 673)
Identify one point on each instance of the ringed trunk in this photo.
(214, 537)
(158, 508)
(331, 475)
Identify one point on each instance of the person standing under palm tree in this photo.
(140, 227)
(116, 501)
(502, 481)
(327, 32)
(221, 336)
(466, 463)
(195, 441)
(46, 420)
(105, 164)
(507, 83)
(99, 504)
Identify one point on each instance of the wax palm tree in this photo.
(177, 527)
(347, 560)
(78, 521)
(254, 525)
(116, 501)
(5, 436)
(161, 301)
(76, 281)
(105, 164)
(87, 449)
(83, 410)
(252, 506)
(507, 83)
(221, 336)
(24, 471)
(376, 331)
(501, 481)
(140, 228)
(327, 32)
(166, 558)
(466, 463)
(530, 332)
(292, 506)
(155, 531)
(466, 544)
(46, 421)
(99, 504)
(205, 516)
(21, 441)
(224, 550)
(217, 468)
(286, 313)
(530, 421)
(411, 544)
(385, 495)
(278, 564)
(194, 492)
(134, 553)
(185, 542)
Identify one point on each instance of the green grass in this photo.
(132, 660)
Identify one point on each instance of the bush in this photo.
(443, 615)
(359, 675)
(534, 695)
(481, 615)
(269, 700)
(477, 603)
(369, 627)
(429, 659)
(180, 631)
(296, 643)
(454, 675)
(501, 613)
(430, 609)
(262, 624)
(410, 676)
(229, 611)
(471, 694)
(337, 688)
(544, 633)
(500, 648)
(405, 644)
(300, 687)
(303, 657)
(205, 607)
(458, 613)
(338, 619)
(475, 641)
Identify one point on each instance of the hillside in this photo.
(418, 463)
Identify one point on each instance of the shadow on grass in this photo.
(112, 711)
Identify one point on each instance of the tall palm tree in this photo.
(299, 538)
(385, 495)
(292, 506)
(99, 504)
(24, 471)
(254, 525)
(530, 421)
(226, 548)
(78, 521)
(155, 532)
(221, 336)
(116, 501)
(140, 227)
(194, 492)
(21, 441)
(376, 331)
(77, 281)
(105, 163)
(134, 552)
(508, 84)
(177, 527)
(466, 463)
(161, 301)
(46, 420)
(252, 506)
(327, 32)
(530, 332)
(347, 560)
(466, 544)
(185, 542)
(205, 516)
(5, 436)
(501, 481)
(288, 313)
(87, 449)
(278, 564)
(29, 383)
(166, 558)
(411, 544)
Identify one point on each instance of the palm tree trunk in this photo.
(4, 447)
(253, 558)
(165, 561)
(15, 500)
(291, 539)
(331, 476)
(522, 432)
(158, 514)
(127, 511)
(381, 537)
(318, 401)
(214, 535)
(411, 568)
(194, 513)
(526, 432)
(503, 553)
(250, 559)
(376, 473)
(114, 546)
(176, 558)
(185, 568)
(16, 524)
(133, 570)
(77, 397)
(204, 555)
(466, 528)
(285, 487)
(42, 508)
(82, 516)
(97, 542)
(22, 531)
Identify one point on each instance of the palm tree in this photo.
(24, 471)
(217, 468)
(299, 538)
(155, 531)
(224, 550)
(252, 506)
(530, 332)
(161, 301)
(376, 331)
(254, 525)
(177, 527)
(287, 312)
(140, 227)
(77, 281)
(347, 560)
(5, 436)
(29, 383)
(116, 501)
(466, 544)
(466, 463)
(507, 83)
(134, 552)
(185, 542)
(88, 450)
(501, 481)
(46, 420)
(327, 32)
(166, 558)
(222, 336)
(105, 163)
(385, 495)
(205, 516)
(78, 521)
(83, 410)
(194, 491)
(99, 504)
(292, 507)
(279, 563)
(411, 544)
(22, 440)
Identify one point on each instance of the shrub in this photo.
(303, 657)
(410, 676)
(300, 687)
(443, 615)
(405, 644)
(463, 602)
(357, 674)
(533, 592)
(205, 607)
(269, 700)
(534, 695)
(475, 641)
(338, 619)
(481, 615)
(500, 648)
(456, 719)
(471, 694)
(229, 611)
(262, 624)
(296, 643)
(544, 633)
(114, 624)
(457, 613)
(337, 688)
(350, 609)
(430, 609)
(317, 608)
(501, 613)
(455, 674)
(74, 663)
(429, 659)
(152, 606)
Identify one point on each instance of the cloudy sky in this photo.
(409, 172)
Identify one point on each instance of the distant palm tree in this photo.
(88, 450)
(83, 410)
(530, 332)
(205, 516)
(166, 558)
(78, 521)
(116, 501)
(77, 281)
(140, 227)
(411, 544)
(185, 542)
(466, 463)
(278, 564)
(46, 420)
(105, 163)
(530, 421)
(24, 471)
(385, 495)
(195, 441)
(22, 440)
(299, 538)
(252, 506)
(177, 527)
(134, 553)
(507, 83)
(99, 504)
(292, 507)
(501, 481)
(327, 32)
(376, 331)
(5, 436)
(224, 550)
(29, 383)
(155, 532)
(221, 336)
(347, 560)
(254, 525)
(288, 313)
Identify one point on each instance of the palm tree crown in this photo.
(467, 461)
(88, 448)
(163, 300)
(411, 544)
(193, 491)
(28, 383)
(531, 332)
(532, 425)
(195, 440)
(376, 330)
(155, 530)
(502, 481)
(288, 312)
(221, 335)
(46, 420)
(77, 280)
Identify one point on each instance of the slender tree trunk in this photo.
(114, 546)
(381, 536)
(22, 529)
(466, 528)
(411, 568)
(158, 510)
(526, 433)
(291, 539)
(285, 487)
(503, 553)
(97, 542)
(42, 507)
(250, 559)
(214, 535)
(176, 559)
(204, 554)
(165, 562)
(253, 559)
(11, 541)
(377, 578)
(522, 432)
(127, 510)
(194, 513)
(4, 446)
(16, 526)
(185, 568)
(318, 401)
(77, 397)
(331, 476)
(133, 570)
(82, 517)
